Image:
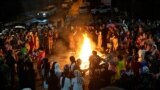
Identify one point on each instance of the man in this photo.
(94, 61)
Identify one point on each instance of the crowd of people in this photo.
(131, 47)
(20, 47)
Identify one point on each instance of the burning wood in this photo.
(85, 51)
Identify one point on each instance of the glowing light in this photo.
(85, 51)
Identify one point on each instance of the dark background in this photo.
(149, 9)
(11, 9)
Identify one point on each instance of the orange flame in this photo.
(85, 51)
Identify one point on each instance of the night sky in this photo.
(9, 9)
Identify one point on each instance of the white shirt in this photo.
(77, 85)
(67, 83)
(57, 70)
(72, 67)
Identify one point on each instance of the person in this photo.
(40, 56)
(50, 41)
(36, 39)
(72, 42)
(106, 81)
(77, 81)
(45, 41)
(57, 70)
(30, 41)
(65, 82)
(78, 67)
(72, 65)
(135, 65)
(120, 65)
(55, 37)
(10, 61)
(23, 50)
(53, 81)
(146, 79)
(27, 74)
(141, 54)
(45, 72)
(78, 64)
(115, 42)
(94, 61)
(5, 83)
(99, 45)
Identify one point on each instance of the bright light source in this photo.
(44, 14)
(85, 52)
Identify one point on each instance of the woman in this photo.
(77, 81)
(53, 81)
(36, 39)
(57, 70)
(65, 82)
(45, 72)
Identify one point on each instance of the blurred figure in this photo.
(53, 81)
(5, 80)
(45, 71)
(94, 71)
(99, 45)
(30, 41)
(94, 61)
(56, 69)
(106, 81)
(115, 43)
(36, 41)
(10, 61)
(50, 41)
(27, 74)
(72, 42)
(135, 66)
(146, 79)
(77, 81)
(65, 82)
(72, 65)
(78, 64)
(40, 56)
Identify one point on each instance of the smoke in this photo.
(60, 47)
(79, 23)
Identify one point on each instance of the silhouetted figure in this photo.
(28, 74)
(53, 81)
(10, 61)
